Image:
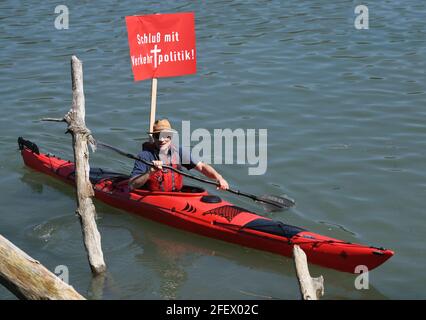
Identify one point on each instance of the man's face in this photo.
(162, 139)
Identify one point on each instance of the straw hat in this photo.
(162, 125)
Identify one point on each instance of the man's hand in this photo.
(158, 165)
(209, 172)
(223, 185)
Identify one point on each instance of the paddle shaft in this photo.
(237, 192)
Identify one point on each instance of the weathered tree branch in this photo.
(80, 136)
(310, 288)
(26, 278)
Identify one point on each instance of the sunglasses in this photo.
(157, 135)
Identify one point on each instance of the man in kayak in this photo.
(160, 152)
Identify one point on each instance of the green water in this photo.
(345, 114)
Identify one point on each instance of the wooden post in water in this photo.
(81, 135)
(27, 279)
(75, 119)
(310, 288)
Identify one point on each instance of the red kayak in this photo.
(194, 209)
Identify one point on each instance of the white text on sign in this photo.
(156, 38)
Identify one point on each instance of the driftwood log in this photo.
(27, 279)
(310, 288)
(81, 136)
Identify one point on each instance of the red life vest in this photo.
(166, 179)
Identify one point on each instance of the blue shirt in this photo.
(148, 155)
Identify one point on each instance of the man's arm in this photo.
(140, 180)
(210, 172)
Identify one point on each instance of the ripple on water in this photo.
(332, 225)
(62, 236)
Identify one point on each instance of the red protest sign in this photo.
(162, 45)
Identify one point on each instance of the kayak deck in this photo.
(195, 210)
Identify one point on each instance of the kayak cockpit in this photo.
(98, 174)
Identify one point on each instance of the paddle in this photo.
(276, 202)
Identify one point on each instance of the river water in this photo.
(345, 114)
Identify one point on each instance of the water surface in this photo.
(345, 114)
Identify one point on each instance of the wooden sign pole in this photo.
(153, 104)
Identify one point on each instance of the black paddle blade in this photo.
(276, 203)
